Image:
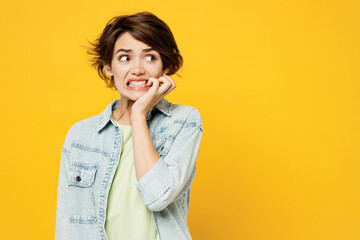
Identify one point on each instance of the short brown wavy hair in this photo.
(143, 26)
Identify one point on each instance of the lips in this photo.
(139, 84)
(137, 81)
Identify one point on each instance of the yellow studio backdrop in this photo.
(276, 82)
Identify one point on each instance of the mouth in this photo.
(138, 82)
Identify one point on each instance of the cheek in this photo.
(119, 76)
(156, 71)
(120, 73)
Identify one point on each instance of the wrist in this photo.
(137, 116)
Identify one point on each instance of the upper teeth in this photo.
(137, 83)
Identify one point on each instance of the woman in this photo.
(127, 172)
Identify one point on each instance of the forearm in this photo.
(145, 155)
(175, 169)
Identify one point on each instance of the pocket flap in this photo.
(81, 174)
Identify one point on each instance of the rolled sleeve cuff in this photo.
(154, 183)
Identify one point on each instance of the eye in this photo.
(124, 58)
(150, 58)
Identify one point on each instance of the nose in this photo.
(137, 68)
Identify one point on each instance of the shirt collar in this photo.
(163, 105)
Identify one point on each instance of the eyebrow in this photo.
(130, 50)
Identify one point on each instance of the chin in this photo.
(135, 97)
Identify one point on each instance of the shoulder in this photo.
(81, 128)
(189, 115)
(187, 112)
(85, 124)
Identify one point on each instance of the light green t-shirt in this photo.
(127, 217)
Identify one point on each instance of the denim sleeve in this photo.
(165, 180)
(62, 219)
(61, 209)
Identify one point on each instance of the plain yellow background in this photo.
(276, 82)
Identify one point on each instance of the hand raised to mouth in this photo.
(158, 89)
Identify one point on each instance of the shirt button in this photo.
(78, 178)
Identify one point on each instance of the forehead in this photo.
(127, 41)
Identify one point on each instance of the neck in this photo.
(122, 113)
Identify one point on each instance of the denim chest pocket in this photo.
(81, 175)
(81, 178)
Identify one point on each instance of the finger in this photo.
(156, 90)
(173, 85)
(154, 83)
(165, 86)
(150, 81)
(172, 81)
(169, 78)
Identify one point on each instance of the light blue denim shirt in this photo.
(90, 156)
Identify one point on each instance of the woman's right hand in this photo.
(159, 89)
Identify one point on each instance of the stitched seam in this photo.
(90, 149)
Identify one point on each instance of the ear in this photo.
(107, 69)
(166, 71)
